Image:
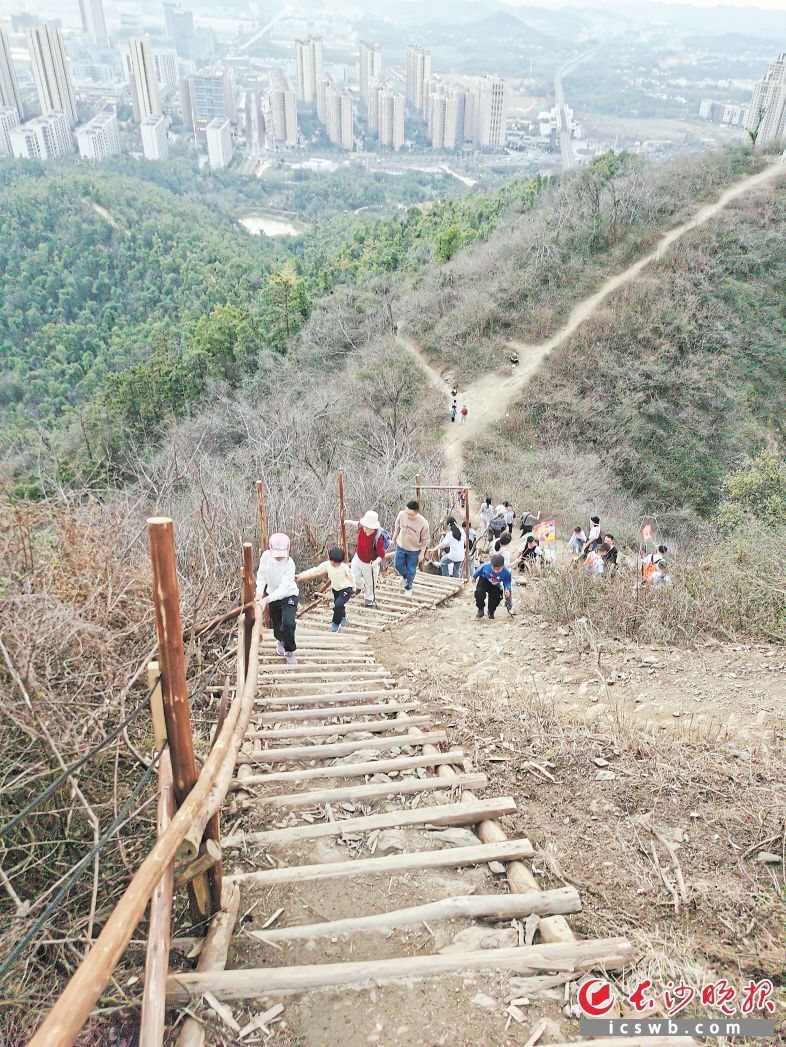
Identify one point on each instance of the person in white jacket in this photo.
(277, 590)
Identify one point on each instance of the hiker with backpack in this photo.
(493, 581)
(342, 582)
(372, 544)
(411, 537)
(453, 544)
(650, 562)
(278, 591)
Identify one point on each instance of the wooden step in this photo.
(443, 858)
(328, 751)
(472, 906)
(603, 954)
(330, 712)
(366, 793)
(354, 770)
(394, 723)
(465, 813)
(339, 696)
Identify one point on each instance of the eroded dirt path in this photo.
(489, 398)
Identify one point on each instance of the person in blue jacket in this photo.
(493, 578)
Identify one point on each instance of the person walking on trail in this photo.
(369, 554)
(410, 537)
(608, 552)
(454, 392)
(453, 543)
(278, 591)
(527, 522)
(493, 580)
(453, 412)
(650, 562)
(576, 543)
(471, 538)
(661, 579)
(528, 557)
(593, 538)
(342, 582)
(503, 546)
(464, 413)
(510, 516)
(486, 512)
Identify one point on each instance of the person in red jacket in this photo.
(369, 555)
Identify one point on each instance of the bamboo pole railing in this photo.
(66, 1018)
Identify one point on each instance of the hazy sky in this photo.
(772, 5)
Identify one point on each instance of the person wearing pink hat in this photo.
(278, 591)
(369, 554)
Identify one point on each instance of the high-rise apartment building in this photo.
(144, 83)
(205, 97)
(283, 110)
(325, 85)
(44, 138)
(442, 117)
(390, 118)
(9, 88)
(768, 104)
(50, 71)
(219, 143)
(491, 126)
(93, 21)
(369, 67)
(340, 118)
(166, 66)
(180, 29)
(155, 144)
(9, 119)
(99, 138)
(418, 75)
(309, 58)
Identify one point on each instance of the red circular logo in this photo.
(596, 997)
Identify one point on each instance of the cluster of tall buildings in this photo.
(723, 112)
(767, 113)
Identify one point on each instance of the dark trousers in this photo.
(494, 593)
(340, 599)
(282, 618)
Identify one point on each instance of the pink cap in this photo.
(279, 546)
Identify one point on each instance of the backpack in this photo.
(386, 539)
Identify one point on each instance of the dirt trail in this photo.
(490, 396)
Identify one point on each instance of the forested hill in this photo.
(97, 268)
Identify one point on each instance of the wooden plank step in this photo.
(307, 672)
(328, 751)
(364, 793)
(608, 954)
(325, 730)
(447, 858)
(328, 712)
(350, 681)
(465, 813)
(354, 770)
(469, 906)
(338, 696)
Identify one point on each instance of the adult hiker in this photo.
(527, 522)
(486, 512)
(503, 546)
(411, 538)
(342, 582)
(650, 563)
(608, 552)
(593, 538)
(454, 392)
(493, 579)
(514, 358)
(528, 557)
(497, 524)
(277, 590)
(369, 554)
(510, 516)
(453, 412)
(471, 538)
(464, 413)
(453, 544)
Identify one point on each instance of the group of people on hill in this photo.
(454, 407)
(278, 580)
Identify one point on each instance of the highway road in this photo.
(563, 122)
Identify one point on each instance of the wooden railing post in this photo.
(341, 514)
(262, 538)
(247, 597)
(417, 489)
(156, 706)
(169, 628)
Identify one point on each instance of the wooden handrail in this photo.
(72, 1009)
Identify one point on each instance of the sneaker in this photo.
(480, 614)
(342, 623)
(280, 649)
(491, 617)
(290, 657)
(369, 603)
(407, 592)
(357, 592)
(335, 626)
